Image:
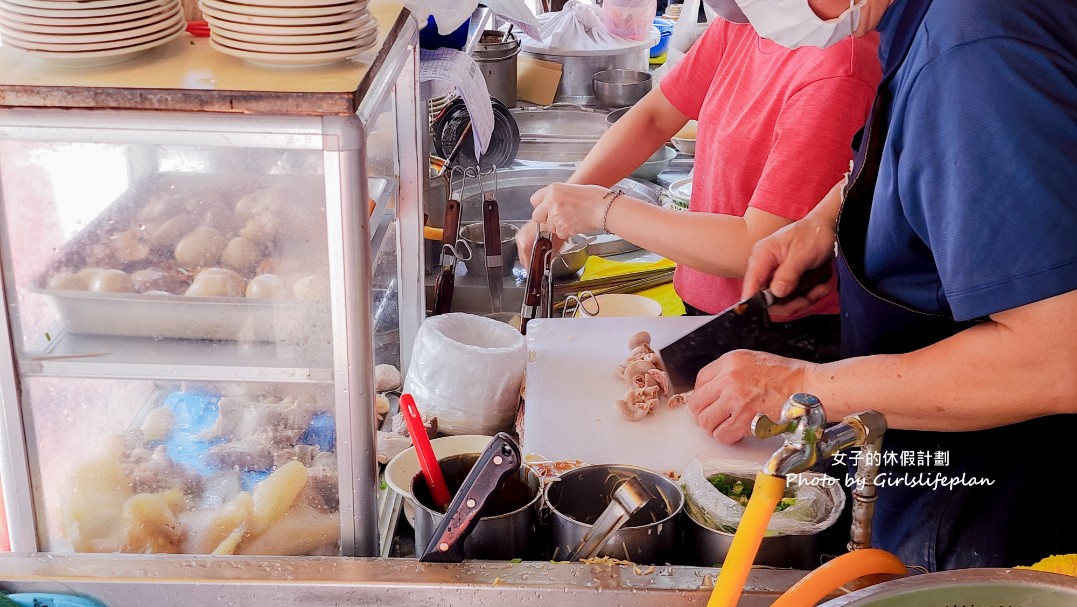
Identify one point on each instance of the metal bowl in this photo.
(620, 88)
(616, 115)
(472, 234)
(1014, 587)
(572, 258)
(705, 547)
(657, 163)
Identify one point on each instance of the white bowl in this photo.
(400, 470)
(619, 304)
(684, 146)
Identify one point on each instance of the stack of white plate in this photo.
(673, 12)
(286, 33)
(87, 33)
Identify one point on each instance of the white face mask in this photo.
(792, 23)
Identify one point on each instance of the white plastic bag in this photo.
(467, 371)
(818, 503)
(578, 29)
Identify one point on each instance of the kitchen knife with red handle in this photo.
(536, 271)
(445, 282)
(498, 461)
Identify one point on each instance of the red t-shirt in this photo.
(775, 130)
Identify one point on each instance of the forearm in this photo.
(630, 141)
(989, 375)
(707, 242)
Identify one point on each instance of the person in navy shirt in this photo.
(956, 236)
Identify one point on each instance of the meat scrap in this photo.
(646, 379)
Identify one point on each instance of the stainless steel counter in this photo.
(182, 581)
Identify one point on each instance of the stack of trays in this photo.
(89, 33)
(290, 33)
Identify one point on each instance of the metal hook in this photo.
(579, 299)
(456, 250)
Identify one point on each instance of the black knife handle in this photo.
(444, 285)
(807, 282)
(500, 459)
(491, 227)
(450, 232)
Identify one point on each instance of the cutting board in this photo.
(573, 388)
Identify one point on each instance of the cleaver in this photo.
(746, 325)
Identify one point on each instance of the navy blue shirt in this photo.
(975, 209)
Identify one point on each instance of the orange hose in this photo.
(815, 586)
(753, 525)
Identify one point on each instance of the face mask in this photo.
(793, 24)
(727, 10)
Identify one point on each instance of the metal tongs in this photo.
(537, 295)
(445, 282)
(500, 460)
(627, 500)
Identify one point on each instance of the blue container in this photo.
(430, 39)
(665, 30)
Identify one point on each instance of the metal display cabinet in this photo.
(151, 375)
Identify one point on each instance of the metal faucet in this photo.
(807, 441)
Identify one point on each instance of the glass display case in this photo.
(201, 263)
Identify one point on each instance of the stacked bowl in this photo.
(89, 33)
(290, 33)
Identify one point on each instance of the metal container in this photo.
(572, 258)
(508, 531)
(497, 60)
(1010, 587)
(558, 133)
(616, 115)
(657, 163)
(621, 88)
(705, 547)
(472, 234)
(578, 69)
(579, 496)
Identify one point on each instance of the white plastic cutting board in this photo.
(572, 390)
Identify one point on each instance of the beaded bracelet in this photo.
(606, 213)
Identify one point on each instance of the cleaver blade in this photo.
(746, 325)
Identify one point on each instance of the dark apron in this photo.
(1028, 513)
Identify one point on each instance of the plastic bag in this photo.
(578, 29)
(629, 18)
(818, 501)
(467, 371)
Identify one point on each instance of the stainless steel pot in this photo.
(497, 60)
(579, 496)
(508, 531)
(705, 547)
(577, 70)
(1010, 587)
(476, 265)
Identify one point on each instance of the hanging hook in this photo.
(580, 299)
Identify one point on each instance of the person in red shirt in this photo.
(775, 132)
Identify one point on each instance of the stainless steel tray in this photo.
(181, 316)
(558, 133)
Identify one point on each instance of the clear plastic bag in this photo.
(578, 29)
(818, 501)
(467, 371)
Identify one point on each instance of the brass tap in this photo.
(807, 441)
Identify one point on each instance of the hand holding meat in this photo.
(733, 389)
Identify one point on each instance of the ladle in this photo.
(439, 491)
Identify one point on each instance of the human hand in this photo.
(779, 260)
(525, 242)
(566, 210)
(730, 391)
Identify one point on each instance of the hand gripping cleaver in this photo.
(746, 325)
